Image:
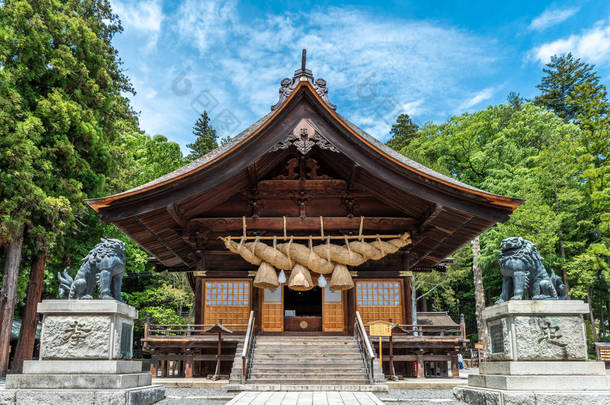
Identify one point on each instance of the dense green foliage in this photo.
(558, 167)
(68, 133)
(205, 137)
(563, 74)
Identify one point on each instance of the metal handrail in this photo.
(366, 349)
(246, 352)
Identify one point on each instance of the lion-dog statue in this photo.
(522, 270)
(103, 266)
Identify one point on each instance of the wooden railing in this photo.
(366, 349)
(246, 354)
(175, 329)
(430, 330)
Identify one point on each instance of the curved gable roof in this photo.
(366, 141)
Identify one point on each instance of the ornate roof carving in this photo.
(288, 85)
(304, 137)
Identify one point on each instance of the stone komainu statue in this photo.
(104, 265)
(522, 269)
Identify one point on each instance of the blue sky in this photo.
(379, 58)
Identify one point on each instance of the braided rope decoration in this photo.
(321, 259)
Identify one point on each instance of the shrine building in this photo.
(304, 175)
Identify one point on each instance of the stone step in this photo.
(308, 366)
(308, 346)
(291, 376)
(308, 381)
(307, 387)
(293, 350)
(310, 356)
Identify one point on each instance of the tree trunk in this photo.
(479, 292)
(591, 318)
(564, 272)
(9, 292)
(27, 334)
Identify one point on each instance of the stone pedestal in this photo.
(538, 355)
(85, 357)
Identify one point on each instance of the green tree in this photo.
(562, 75)
(591, 149)
(403, 132)
(63, 81)
(205, 138)
(519, 150)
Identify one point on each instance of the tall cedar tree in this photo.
(205, 140)
(403, 132)
(562, 75)
(62, 113)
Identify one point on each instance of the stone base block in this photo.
(542, 368)
(77, 381)
(537, 330)
(82, 366)
(86, 330)
(132, 396)
(482, 396)
(541, 382)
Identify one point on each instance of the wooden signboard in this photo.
(380, 328)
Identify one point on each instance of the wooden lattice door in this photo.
(333, 315)
(272, 310)
(379, 300)
(229, 300)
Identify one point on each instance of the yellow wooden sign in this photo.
(478, 345)
(380, 328)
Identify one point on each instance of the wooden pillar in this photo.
(199, 300)
(351, 310)
(27, 334)
(7, 297)
(420, 366)
(188, 369)
(406, 283)
(455, 369)
(153, 368)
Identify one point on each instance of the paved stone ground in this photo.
(200, 396)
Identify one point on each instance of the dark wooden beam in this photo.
(440, 243)
(161, 241)
(276, 224)
(431, 217)
(176, 216)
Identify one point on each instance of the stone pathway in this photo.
(305, 398)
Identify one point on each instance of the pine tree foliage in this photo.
(403, 132)
(562, 75)
(205, 138)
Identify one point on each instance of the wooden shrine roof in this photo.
(267, 172)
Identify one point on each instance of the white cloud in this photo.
(552, 16)
(477, 98)
(375, 67)
(144, 16)
(413, 108)
(592, 45)
(204, 23)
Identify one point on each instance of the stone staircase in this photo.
(298, 363)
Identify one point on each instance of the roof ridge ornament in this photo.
(288, 85)
(304, 137)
